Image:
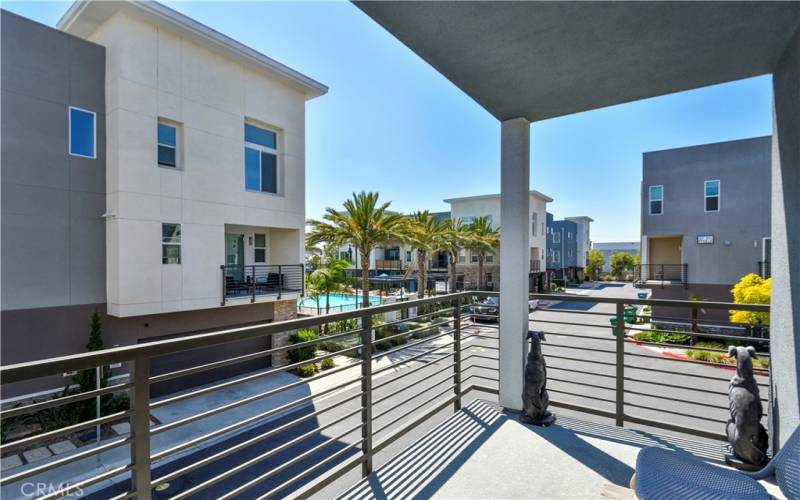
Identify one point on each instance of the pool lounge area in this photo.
(337, 302)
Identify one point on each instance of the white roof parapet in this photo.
(533, 192)
(83, 17)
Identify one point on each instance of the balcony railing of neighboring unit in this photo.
(307, 439)
(261, 279)
(764, 269)
(388, 264)
(665, 274)
(536, 265)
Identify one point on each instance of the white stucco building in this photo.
(205, 147)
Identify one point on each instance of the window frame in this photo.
(179, 244)
(556, 253)
(264, 149)
(534, 223)
(489, 258)
(176, 147)
(718, 196)
(651, 200)
(94, 132)
(556, 240)
(256, 248)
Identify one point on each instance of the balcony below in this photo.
(261, 281)
(661, 274)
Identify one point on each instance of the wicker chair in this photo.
(664, 474)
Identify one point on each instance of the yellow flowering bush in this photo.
(751, 289)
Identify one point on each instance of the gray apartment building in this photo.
(705, 217)
(607, 249)
(109, 203)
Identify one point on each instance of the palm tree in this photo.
(456, 236)
(327, 279)
(424, 233)
(364, 223)
(483, 239)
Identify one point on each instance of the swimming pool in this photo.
(338, 301)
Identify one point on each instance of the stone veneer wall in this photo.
(284, 310)
(470, 273)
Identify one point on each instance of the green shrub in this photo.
(327, 364)
(305, 352)
(306, 370)
(710, 344)
(661, 337)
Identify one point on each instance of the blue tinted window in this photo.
(712, 188)
(269, 174)
(259, 136)
(81, 133)
(167, 135)
(252, 167)
(655, 193)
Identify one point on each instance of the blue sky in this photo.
(391, 123)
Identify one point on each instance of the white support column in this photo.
(514, 263)
(785, 312)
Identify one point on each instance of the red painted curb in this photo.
(674, 355)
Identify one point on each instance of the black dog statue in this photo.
(747, 437)
(534, 397)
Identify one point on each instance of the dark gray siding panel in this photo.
(53, 235)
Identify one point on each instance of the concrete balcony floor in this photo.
(481, 452)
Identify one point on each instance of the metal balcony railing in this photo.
(440, 355)
(666, 274)
(261, 279)
(536, 265)
(764, 269)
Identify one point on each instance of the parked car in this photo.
(487, 309)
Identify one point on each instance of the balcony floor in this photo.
(481, 452)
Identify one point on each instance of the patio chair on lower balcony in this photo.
(663, 474)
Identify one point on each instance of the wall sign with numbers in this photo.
(705, 239)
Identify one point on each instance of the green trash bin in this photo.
(629, 314)
(642, 295)
(613, 321)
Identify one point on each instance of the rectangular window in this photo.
(82, 133)
(408, 255)
(656, 200)
(467, 220)
(711, 191)
(462, 256)
(260, 248)
(167, 145)
(534, 217)
(556, 237)
(489, 257)
(556, 256)
(474, 258)
(260, 159)
(170, 243)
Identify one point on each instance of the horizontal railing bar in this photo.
(673, 427)
(589, 349)
(414, 358)
(701, 321)
(4, 480)
(324, 462)
(297, 459)
(587, 337)
(247, 357)
(247, 378)
(411, 344)
(408, 399)
(660, 396)
(39, 368)
(244, 401)
(686, 304)
(482, 336)
(677, 413)
(585, 384)
(678, 360)
(700, 334)
(591, 361)
(605, 400)
(73, 398)
(79, 486)
(257, 439)
(403, 334)
(568, 311)
(684, 374)
(14, 445)
(674, 386)
(480, 356)
(376, 387)
(691, 347)
(406, 320)
(582, 372)
(309, 489)
(412, 410)
(482, 388)
(536, 320)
